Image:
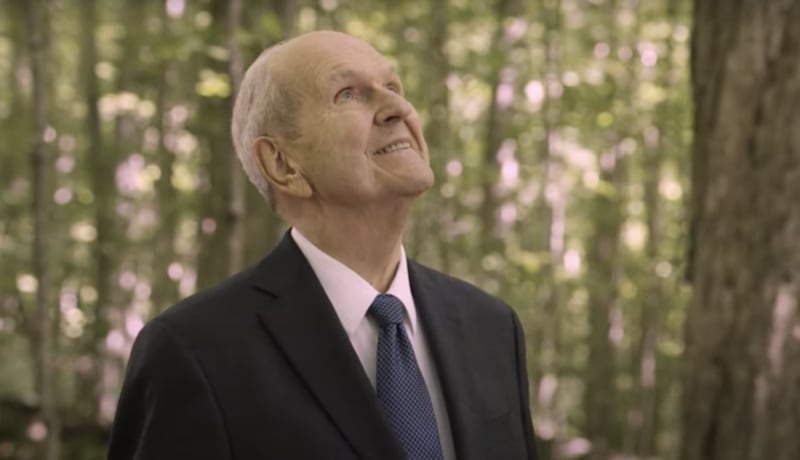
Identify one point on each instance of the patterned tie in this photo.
(401, 388)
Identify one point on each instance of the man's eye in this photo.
(395, 88)
(345, 95)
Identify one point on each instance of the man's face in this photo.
(360, 140)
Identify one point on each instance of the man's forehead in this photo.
(326, 46)
(326, 42)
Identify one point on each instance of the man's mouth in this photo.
(393, 147)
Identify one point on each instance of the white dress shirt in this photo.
(351, 295)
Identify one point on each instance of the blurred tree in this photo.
(500, 76)
(47, 427)
(217, 224)
(167, 106)
(236, 179)
(741, 398)
(551, 212)
(434, 104)
(643, 415)
(103, 190)
(604, 249)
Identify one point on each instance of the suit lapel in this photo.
(450, 344)
(305, 326)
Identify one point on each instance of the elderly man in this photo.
(334, 346)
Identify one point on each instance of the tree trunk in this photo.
(642, 417)
(236, 180)
(603, 264)
(493, 136)
(602, 402)
(215, 223)
(49, 423)
(430, 214)
(741, 396)
(287, 12)
(552, 212)
(165, 288)
(90, 388)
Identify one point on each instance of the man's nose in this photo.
(392, 108)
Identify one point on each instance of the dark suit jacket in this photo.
(260, 367)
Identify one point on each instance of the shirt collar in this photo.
(349, 293)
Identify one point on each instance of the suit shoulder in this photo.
(210, 303)
(455, 286)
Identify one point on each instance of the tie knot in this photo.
(386, 309)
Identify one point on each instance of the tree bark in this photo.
(601, 402)
(215, 222)
(45, 364)
(90, 389)
(642, 422)
(741, 396)
(236, 180)
(552, 212)
(431, 216)
(604, 255)
(165, 288)
(493, 136)
(287, 12)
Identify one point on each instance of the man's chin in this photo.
(421, 185)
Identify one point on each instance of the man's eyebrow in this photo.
(345, 74)
(341, 75)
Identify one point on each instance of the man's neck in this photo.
(368, 244)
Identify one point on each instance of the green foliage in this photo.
(572, 80)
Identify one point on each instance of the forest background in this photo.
(625, 173)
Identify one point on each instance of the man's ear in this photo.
(282, 172)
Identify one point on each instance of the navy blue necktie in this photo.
(401, 388)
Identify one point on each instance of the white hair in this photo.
(262, 108)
